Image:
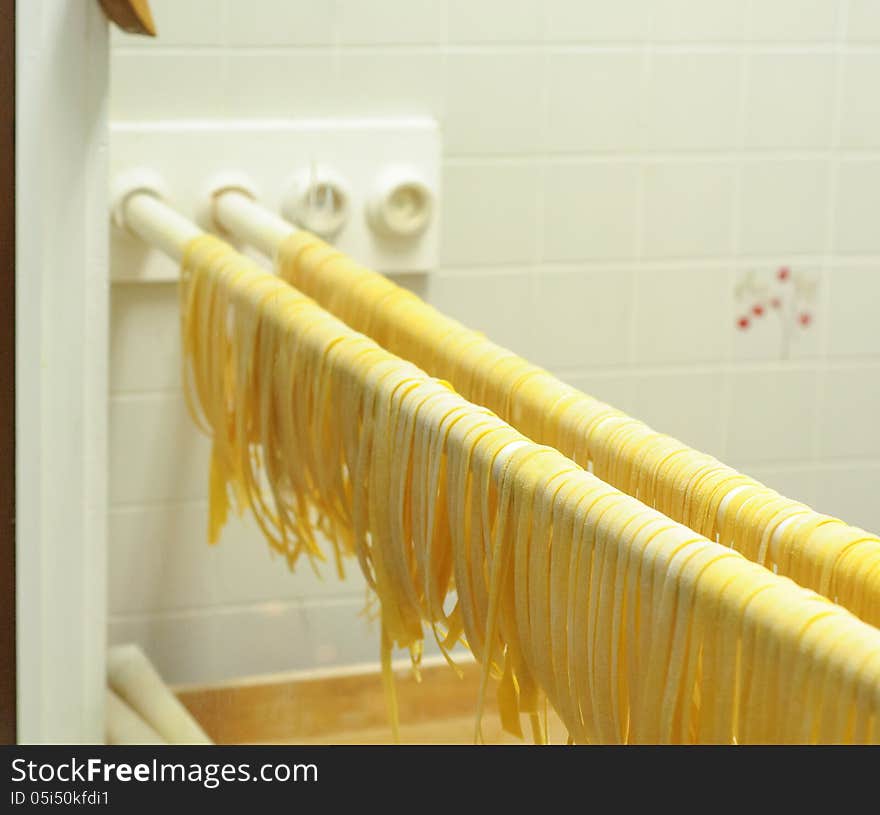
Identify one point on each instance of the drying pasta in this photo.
(817, 551)
(633, 627)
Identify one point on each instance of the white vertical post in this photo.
(62, 286)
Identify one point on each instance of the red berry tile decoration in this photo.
(787, 294)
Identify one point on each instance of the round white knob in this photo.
(317, 199)
(401, 205)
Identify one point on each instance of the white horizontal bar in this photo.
(368, 123)
(145, 214)
(251, 222)
(158, 224)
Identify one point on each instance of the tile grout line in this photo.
(736, 227)
(828, 260)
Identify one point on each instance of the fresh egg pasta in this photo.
(633, 627)
(695, 489)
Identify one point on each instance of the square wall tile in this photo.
(146, 86)
(693, 101)
(850, 493)
(344, 632)
(849, 426)
(771, 415)
(854, 301)
(495, 21)
(195, 22)
(594, 101)
(590, 211)
(863, 20)
(182, 647)
(160, 560)
(277, 22)
(860, 115)
(156, 452)
(489, 214)
(688, 209)
(684, 405)
(391, 22)
(404, 83)
(793, 20)
(617, 390)
(597, 20)
(487, 99)
(269, 638)
(249, 571)
(789, 101)
(784, 207)
(582, 318)
(774, 319)
(680, 314)
(858, 201)
(280, 85)
(698, 20)
(498, 304)
(144, 337)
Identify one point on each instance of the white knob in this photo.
(401, 205)
(317, 199)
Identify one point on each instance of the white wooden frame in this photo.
(62, 286)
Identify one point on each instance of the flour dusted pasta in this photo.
(695, 489)
(632, 626)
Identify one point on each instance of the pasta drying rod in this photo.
(839, 555)
(144, 211)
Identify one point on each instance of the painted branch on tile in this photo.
(786, 295)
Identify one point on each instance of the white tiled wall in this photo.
(614, 172)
